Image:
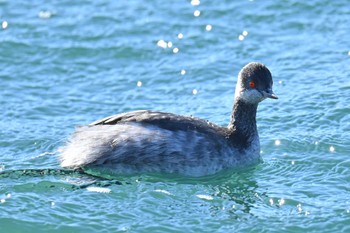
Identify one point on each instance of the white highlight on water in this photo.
(139, 83)
(162, 191)
(170, 44)
(331, 149)
(183, 72)
(195, 2)
(208, 27)
(4, 24)
(180, 36)
(205, 197)
(243, 35)
(3, 200)
(175, 50)
(45, 14)
(299, 208)
(98, 189)
(162, 44)
(281, 202)
(194, 91)
(196, 13)
(277, 142)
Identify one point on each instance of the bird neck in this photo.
(243, 123)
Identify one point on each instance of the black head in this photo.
(254, 83)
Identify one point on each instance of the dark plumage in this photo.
(149, 141)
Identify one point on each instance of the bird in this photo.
(146, 141)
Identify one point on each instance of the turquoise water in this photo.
(68, 63)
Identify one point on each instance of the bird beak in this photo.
(270, 95)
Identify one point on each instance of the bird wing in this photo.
(163, 120)
(121, 117)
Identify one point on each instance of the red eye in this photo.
(252, 84)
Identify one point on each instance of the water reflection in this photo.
(238, 196)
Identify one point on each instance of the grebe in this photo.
(151, 141)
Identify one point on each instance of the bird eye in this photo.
(252, 84)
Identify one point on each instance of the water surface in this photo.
(68, 63)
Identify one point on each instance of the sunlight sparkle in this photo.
(299, 208)
(196, 13)
(162, 44)
(208, 27)
(281, 202)
(45, 14)
(4, 24)
(195, 2)
(98, 189)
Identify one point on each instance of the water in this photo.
(68, 63)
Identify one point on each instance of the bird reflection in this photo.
(237, 196)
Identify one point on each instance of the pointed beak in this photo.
(270, 94)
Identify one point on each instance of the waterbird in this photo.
(147, 141)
